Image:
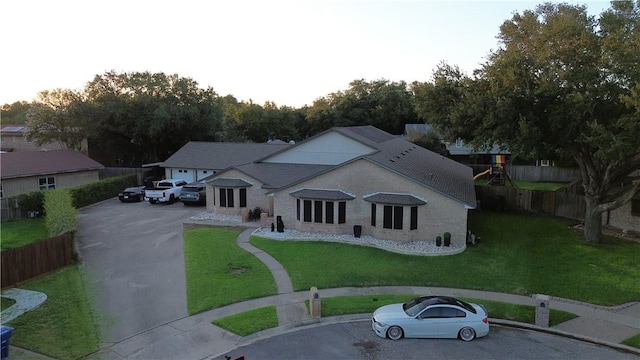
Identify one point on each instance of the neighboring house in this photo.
(24, 171)
(352, 176)
(197, 160)
(458, 150)
(12, 138)
(626, 217)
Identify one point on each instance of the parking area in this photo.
(133, 257)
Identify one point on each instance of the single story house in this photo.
(349, 177)
(24, 171)
(197, 160)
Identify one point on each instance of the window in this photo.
(398, 217)
(317, 211)
(226, 197)
(342, 212)
(307, 210)
(393, 217)
(298, 209)
(414, 218)
(1, 191)
(47, 183)
(328, 209)
(243, 198)
(373, 215)
(387, 219)
(635, 207)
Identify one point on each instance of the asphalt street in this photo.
(356, 341)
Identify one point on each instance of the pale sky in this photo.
(288, 52)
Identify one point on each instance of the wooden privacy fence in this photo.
(35, 259)
(558, 203)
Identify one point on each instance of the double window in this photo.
(227, 200)
(320, 211)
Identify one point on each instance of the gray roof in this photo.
(431, 170)
(394, 199)
(415, 131)
(218, 155)
(229, 183)
(275, 175)
(321, 194)
(32, 163)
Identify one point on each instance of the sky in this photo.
(287, 52)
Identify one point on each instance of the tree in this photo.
(148, 116)
(562, 82)
(56, 116)
(15, 113)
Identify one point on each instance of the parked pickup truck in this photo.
(166, 191)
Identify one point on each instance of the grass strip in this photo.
(64, 326)
(249, 322)
(219, 272)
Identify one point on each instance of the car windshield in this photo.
(415, 306)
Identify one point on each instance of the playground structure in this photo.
(497, 173)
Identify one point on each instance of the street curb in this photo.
(552, 331)
(312, 323)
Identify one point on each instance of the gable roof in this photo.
(218, 155)
(31, 163)
(432, 170)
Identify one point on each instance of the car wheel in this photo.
(172, 199)
(467, 334)
(395, 333)
(153, 201)
(140, 198)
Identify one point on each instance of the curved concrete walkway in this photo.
(25, 300)
(194, 337)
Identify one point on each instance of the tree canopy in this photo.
(562, 83)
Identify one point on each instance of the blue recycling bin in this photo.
(7, 331)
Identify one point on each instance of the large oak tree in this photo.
(561, 83)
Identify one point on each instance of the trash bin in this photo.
(7, 331)
(357, 230)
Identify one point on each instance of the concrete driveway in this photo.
(133, 257)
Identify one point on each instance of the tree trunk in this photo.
(593, 222)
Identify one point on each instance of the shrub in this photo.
(60, 213)
(254, 215)
(32, 201)
(92, 193)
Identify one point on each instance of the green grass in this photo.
(221, 273)
(16, 233)
(63, 327)
(633, 341)
(249, 322)
(6, 302)
(519, 253)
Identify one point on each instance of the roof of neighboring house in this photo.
(12, 130)
(415, 131)
(219, 155)
(32, 163)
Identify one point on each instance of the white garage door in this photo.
(184, 174)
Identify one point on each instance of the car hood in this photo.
(390, 312)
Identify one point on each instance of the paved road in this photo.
(134, 258)
(356, 341)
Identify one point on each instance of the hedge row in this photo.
(82, 195)
(61, 215)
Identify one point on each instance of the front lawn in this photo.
(16, 233)
(221, 273)
(64, 326)
(519, 253)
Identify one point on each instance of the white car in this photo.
(431, 317)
